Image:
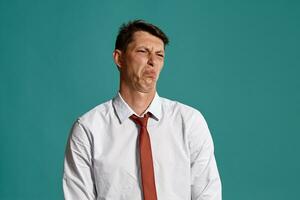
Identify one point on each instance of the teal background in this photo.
(238, 62)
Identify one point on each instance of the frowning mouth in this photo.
(150, 74)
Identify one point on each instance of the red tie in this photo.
(147, 170)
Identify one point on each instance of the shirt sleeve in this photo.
(78, 181)
(205, 179)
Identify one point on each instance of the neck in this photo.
(138, 101)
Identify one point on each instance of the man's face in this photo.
(142, 62)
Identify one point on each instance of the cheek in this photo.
(138, 64)
(161, 65)
(134, 68)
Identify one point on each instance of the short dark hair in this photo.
(126, 31)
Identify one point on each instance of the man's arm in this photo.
(78, 180)
(205, 179)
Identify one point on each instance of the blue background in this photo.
(238, 62)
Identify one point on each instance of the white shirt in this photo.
(102, 160)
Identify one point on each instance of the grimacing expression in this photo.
(142, 62)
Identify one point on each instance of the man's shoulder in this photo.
(189, 115)
(98, 112)
(179, 107)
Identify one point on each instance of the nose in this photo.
(151, 60)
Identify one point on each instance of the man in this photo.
(139, 145)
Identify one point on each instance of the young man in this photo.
(139, 145)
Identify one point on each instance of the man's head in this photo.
(139, 54)
(127, 31)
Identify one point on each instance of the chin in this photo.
(148, 89)
(146, 86)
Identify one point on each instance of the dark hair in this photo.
(126, 31)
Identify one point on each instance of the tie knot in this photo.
(141, 121)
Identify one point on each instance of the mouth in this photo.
(150, 74)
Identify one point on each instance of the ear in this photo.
(117, 55)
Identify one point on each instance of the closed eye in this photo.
(142, 50)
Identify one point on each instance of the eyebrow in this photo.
(159, 51)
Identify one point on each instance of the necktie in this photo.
(147, 170)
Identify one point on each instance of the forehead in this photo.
(142, 38)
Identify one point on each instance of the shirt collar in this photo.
(124, 111)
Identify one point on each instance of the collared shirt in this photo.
(102, 155)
